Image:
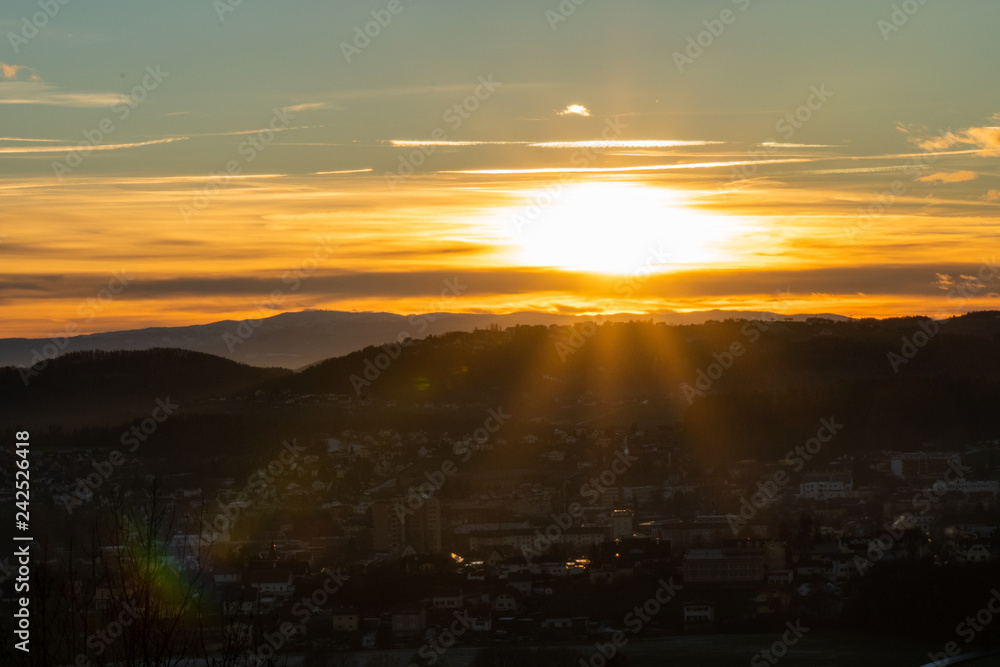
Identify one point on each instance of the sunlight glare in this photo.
(616, 228)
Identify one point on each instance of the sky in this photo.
(166, 164)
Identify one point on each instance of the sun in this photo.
(615, 228)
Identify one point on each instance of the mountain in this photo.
(295, 340)
(736, 388)
(99, 387)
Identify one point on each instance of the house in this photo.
(555, 626)
(779, 577)
(699, 614)
(238, 599)
(977, 553)
(477, 622)
(505, 601)
(770, 601)
(449, 597)
(273, 584)
(555, 568)
(408, 622)
(521, 581)
(345, 619)
(227, 575)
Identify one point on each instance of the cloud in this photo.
(257, 131)
(950, 177)
(600, 144)
(309, 106)
(66, 149)
(898, 280)
(775, 144)
(35, 92)
(17, 73)
(599, 170)
(23, 139)
(986, 138)
(574, 110)
(22, 85)
(639, 143)
(406, 143)
(993, 195)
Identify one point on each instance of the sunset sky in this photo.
(209, 160)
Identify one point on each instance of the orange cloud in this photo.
(575, 110)
(986, 138)
(950, 177)
(17, 73)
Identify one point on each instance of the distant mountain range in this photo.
(296, 340)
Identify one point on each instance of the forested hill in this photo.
(100, 387)
(898, 382)
(738, 388)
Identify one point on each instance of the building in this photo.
(622, 524)
(923, 465)
(387, 528)
(345, 620)
(704, 531)
(422, 528)
(273, 584)
(408, 622)
(534, 539)
(723, 566)
(396, 526)
(826, 485)
(966, 487)
(448, 597)
(699, 613)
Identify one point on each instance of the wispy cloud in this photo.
(309, 106)
(598, 144)
(405, 143)
(640, 143)
(950, 177)
(776, 144)
(240, 132)
(22, 85)
(600, 170)
(14, 150)
(25, 139)
(34, 92)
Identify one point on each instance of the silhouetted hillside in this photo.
(740, 389)
(107, 387)
(892, 381)
(295, 340)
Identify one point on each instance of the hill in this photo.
(736, 388)
(296, 340)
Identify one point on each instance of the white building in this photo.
(823, 486)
